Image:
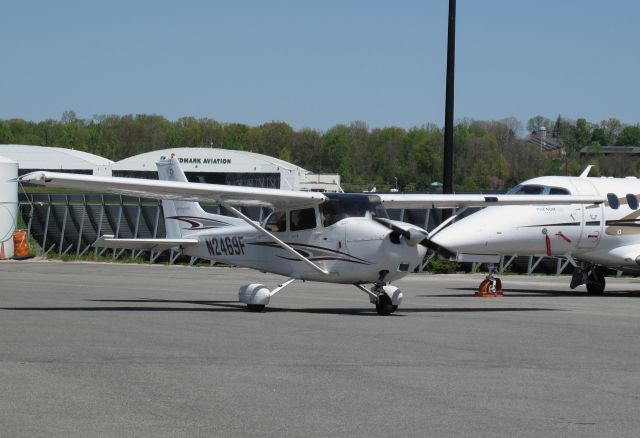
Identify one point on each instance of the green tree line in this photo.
(489, 155)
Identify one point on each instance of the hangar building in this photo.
(30, 158)
(229, 167)
(210, 165)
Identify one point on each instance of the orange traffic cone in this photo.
(20, 245)
(490, 287)
(2, 256)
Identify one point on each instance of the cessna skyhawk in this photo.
(330, 237)
(593, 237)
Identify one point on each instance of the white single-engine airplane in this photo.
(593, 237)
(330, 237)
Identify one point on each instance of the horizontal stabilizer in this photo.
(143, 244)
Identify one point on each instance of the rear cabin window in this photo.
(614, 202)
(304, 219)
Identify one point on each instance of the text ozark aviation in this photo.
(229, 245)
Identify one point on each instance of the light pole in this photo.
(447, 174)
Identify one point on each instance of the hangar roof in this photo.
(51, 158)
(210, 160)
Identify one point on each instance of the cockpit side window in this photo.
(529, 189)
(304, 219)
(277, 222)
(534, 189)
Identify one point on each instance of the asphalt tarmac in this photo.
(108, 350)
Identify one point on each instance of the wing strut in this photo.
(275, 239)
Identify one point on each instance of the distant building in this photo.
(30, 158)
(546, 143)
(610, 150)
(207, 165)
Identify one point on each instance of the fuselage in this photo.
(606, 233)
(340, 236)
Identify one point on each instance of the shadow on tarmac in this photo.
(230, 306)
(539, 292)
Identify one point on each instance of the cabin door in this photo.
(592, 218)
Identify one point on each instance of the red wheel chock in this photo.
(490, 288)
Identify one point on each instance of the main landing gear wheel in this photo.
(590, 275)
(596, 283)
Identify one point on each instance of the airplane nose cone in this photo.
(473, 234)
(457, 240)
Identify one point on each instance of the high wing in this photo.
(395, 200)
(279, 198)
(248, 196)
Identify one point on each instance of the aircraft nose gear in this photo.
(490, 286)
(386, 298)
(592, 276)
(384, 305)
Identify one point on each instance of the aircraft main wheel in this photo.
(255, 308)
(596, 287)
(384, 305)
(596, 283)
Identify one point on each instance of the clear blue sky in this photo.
(319, 63)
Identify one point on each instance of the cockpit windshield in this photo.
(339, 206)
(535, 189)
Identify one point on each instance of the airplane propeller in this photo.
(415, 236)
(438, 248)
(412, 234)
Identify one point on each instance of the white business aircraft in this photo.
(331, 237)
(593, 237)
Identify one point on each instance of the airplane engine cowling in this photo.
(254, 294)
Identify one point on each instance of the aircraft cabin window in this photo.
(534, 189)
(277, 222)
(614, 202)
(558, 191)
(304, 219)
(527, 190)
(339, 206)
(632, 200)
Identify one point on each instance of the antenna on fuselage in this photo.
(585, 172)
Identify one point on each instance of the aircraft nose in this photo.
(470, 235)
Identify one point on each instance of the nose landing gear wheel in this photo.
(384, 305)
(256, 308)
